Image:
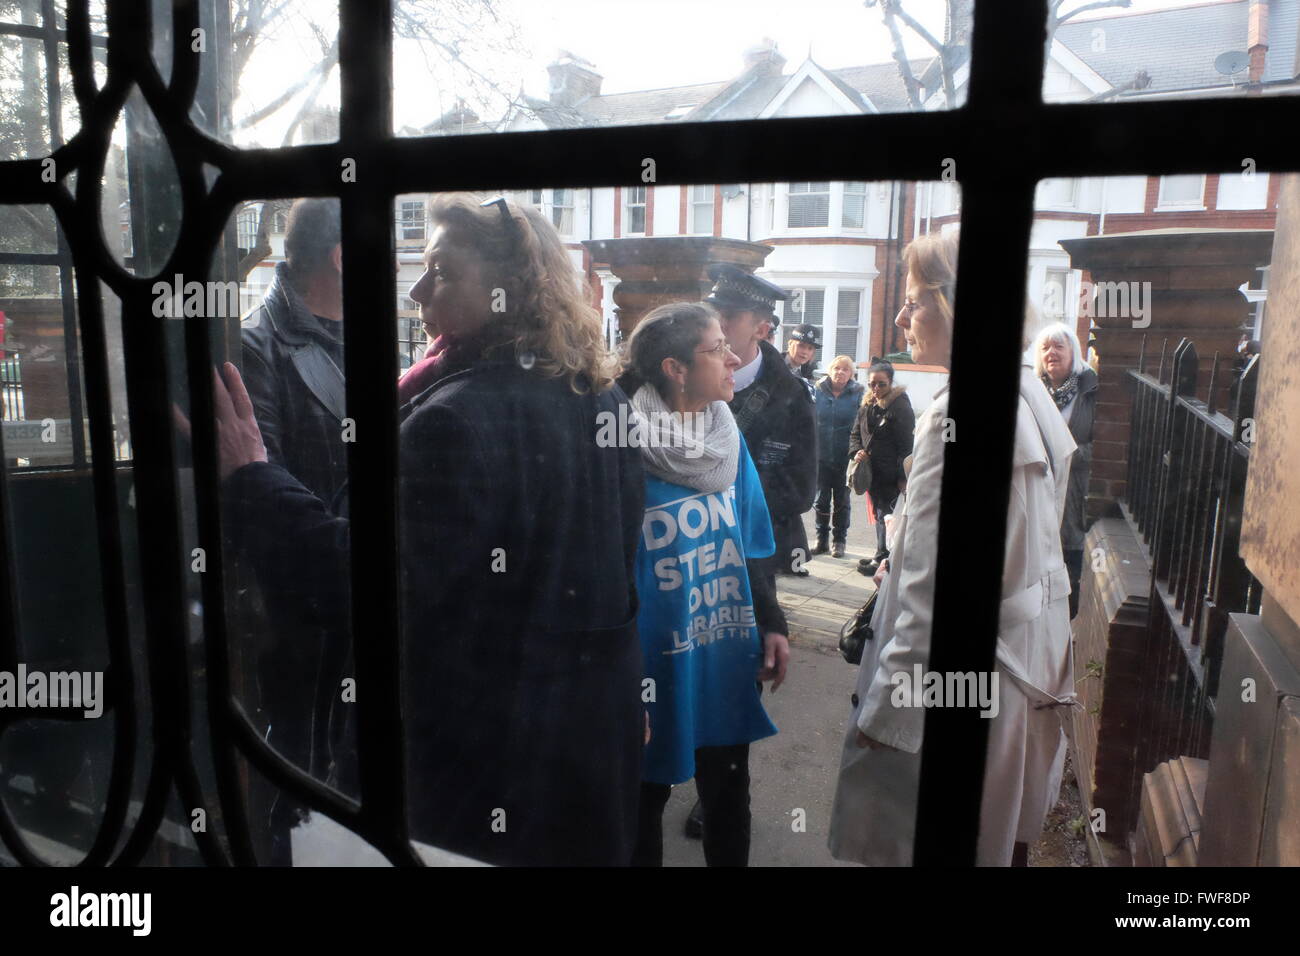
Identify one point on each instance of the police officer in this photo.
(774, 411)
(800, 350)
(773, 408)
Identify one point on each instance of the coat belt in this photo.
(1022, 608)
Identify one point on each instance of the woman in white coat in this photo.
(874, 816)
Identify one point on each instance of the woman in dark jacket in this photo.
(519, 531)
(882, 435)
(837, 397)
(1058, 360)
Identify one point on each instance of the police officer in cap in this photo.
(800, 350)
(773, 408)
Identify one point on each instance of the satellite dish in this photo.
(1234, 61)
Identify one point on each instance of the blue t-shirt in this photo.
(699, 640)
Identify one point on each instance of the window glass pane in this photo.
(270, 74)
(289, 620)
(1181, 190)
(506, 66)
(54, 768)
(1152, 49)
(809, 205)
(1159, 450)
(846, 332)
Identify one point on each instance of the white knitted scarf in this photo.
(700, 450)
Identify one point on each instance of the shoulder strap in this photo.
(321, 376)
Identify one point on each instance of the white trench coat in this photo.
(874, 816)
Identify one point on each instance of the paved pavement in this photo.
(798, 767)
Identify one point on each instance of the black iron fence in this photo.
(1186, 489)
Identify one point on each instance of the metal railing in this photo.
(1186, 488)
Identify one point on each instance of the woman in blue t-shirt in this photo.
(710, 629)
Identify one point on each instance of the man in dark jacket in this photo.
(773, 409)
(293, 369)
(293, 352)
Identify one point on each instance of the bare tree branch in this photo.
(1055, 20)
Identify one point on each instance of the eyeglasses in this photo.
(877, 385)
(716, 350)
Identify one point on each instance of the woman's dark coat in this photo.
(1082, 416)
(521, 662)
(835, 420)
(893, 423)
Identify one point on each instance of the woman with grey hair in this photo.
(1058, 361)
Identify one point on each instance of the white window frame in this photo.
(405, 225)
(1180, 205)
(1065, 274)
(554, 207)
(856, 326)
(791, 193)
(1043, 201)
(629, 205)
(845, 193)
(246, 223)
(694, 205)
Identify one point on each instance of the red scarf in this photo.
(424, 372)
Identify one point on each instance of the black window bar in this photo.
(1004, 139)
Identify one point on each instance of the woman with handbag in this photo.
(880, 440)
(710, 630)
(873, 819)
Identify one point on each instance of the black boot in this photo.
(694, 828)
(823, 542)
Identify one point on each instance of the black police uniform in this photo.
(776, 415)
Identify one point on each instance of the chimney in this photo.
(459, 115)
(573, 80)
(764, 59)
(1257, 38)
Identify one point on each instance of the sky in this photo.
(633, 44)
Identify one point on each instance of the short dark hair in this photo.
(313, 230)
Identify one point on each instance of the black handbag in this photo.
(857, 631)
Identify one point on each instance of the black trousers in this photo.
(883, 504)
(833, 501)
(791, 543)
(722, 779)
